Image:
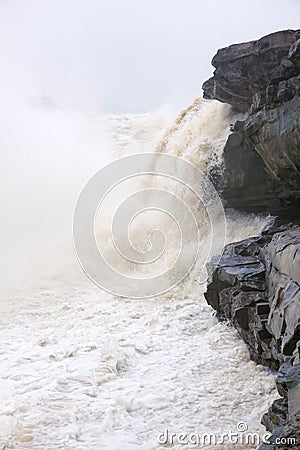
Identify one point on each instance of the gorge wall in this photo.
(256, 284)
(262, 155)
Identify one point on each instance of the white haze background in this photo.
(62, 60)
(125, 56)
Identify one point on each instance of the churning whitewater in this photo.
(84, 370)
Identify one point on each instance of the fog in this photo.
(64, 59)
(125, 55)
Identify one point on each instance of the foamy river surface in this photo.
(83, 370)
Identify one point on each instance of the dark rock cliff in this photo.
(244, 70)
(256, 284)
(262, 155)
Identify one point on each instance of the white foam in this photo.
(83, 370)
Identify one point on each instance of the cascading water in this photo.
(82, 369)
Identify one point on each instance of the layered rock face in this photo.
(244, 70)
(256, 284)
(262, 155)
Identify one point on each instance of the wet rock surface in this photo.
(256, 284)
(282, 419)
(256, 287)
(261, 171)
(243, 70)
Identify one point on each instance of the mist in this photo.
(125, 56)
(62, 62)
